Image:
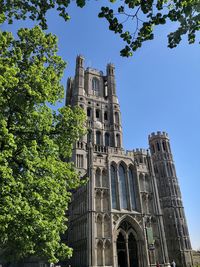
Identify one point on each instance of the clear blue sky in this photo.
(158, 89)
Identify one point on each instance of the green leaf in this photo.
(35, 142)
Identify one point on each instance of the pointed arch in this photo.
(124, 227)
(135, 226)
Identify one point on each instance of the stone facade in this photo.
(130, 212)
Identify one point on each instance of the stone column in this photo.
(127, 253)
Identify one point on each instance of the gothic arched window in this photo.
(98, 138)
(105, 116)
(118, 140)
(153, 148)
(95, 84)
(114, 187)
(98, 114)
(122, 187)
(158, 146)
(116, 117)
(89, 112)
(164, 145)
(132, 189)
(107, 139)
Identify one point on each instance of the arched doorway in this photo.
(127, 251)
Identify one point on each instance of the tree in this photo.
(144, 16)
(35, 143)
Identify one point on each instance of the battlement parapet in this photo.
(94, 71)
(130, 153)
(120, 151)
(158, 134)
(140, 151)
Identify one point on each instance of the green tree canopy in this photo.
(144, 17)
(35, 142)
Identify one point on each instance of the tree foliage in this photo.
(146, 15)
(143, 15)
(35, 142)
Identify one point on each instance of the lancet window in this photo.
(98, 138)
(122, 188)
(95, 84)
(118, 140)
(114, 187)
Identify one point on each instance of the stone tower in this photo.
(177, 236)
(117, 218)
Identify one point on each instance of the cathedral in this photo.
(130, 212)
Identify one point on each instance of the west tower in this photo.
(118, 217)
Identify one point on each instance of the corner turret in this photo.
(177, 236)
(110, 72)
(79, 76)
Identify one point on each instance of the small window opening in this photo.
(164, 146)
(89, 112)
(105, 116)
(153, 148)
(97, 114)
(158, 146)
(95, 84)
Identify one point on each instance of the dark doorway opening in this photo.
(127, 246)
(122, 259)
(132, 246)
(121, 251)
